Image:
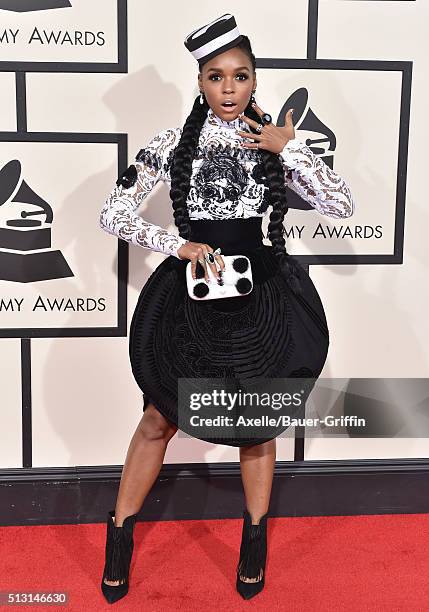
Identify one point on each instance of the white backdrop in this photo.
(85, 403)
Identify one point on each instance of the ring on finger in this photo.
(259, 128)
(266, 118)
(217, 251)
(209, 257)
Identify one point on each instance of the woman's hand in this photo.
(196, 252)
(272, 138)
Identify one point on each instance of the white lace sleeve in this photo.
(313, 180)
(118, 215)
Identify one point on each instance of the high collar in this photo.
(214, 120)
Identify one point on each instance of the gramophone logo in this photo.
(322, 141)
(25, 6)
(29, 256)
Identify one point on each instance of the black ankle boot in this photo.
(253, 555)
(119, 550)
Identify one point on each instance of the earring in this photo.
(252, 97)
(201, 97)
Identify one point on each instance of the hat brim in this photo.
(226, 47)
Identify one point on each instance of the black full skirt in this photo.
(270, 333)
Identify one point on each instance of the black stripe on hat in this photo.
(210, 32)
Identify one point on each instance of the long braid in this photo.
(274, 173)
(181, 168)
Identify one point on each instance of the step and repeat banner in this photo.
(85, 86)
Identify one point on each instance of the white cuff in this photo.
(292, 153)
(180, 242)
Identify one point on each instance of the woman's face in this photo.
(228, 76)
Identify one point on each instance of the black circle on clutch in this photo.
(201, 290)
(243, 285)
(266, 118)
(240, 264)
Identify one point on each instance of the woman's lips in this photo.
(229, 107)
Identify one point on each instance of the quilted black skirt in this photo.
(269, 333)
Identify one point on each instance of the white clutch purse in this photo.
(236, 279)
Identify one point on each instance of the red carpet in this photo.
(317, 564)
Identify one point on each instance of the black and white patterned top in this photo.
(227, 182)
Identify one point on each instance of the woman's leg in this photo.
(257, 468)
(142, 464)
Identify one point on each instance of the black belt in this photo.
(231, 235)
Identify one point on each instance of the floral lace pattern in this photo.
(227, 182)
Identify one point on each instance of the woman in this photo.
(226, 166)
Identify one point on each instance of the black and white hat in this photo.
(213, 38)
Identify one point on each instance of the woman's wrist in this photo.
(182, 241)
